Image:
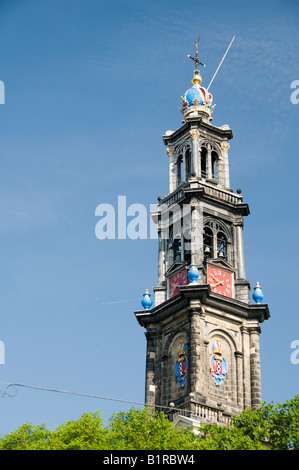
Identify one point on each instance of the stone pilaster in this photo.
(196, 232)
(246, 367)
(240, 379)
(172, 169)
(194, 347)
(240, 248)
(194, 134)
(209, 162)
(224, 170)
(242, 286)
(161, 257)
(255, 367)
(150, 389)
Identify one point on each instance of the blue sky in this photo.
(90, 88)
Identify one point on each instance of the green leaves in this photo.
(86, 433)
(276, 424)
(26, 437)
(147, 430)
(214, 437)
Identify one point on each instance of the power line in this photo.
(87, 395)
(121, 400)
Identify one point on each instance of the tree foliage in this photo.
(277, 424)
(272, 426)
(147, 430)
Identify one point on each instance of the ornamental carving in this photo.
(170, 151)
(194, 133)
(225, 146)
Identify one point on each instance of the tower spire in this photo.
(196, 77)
(202, 333)
(196, 59)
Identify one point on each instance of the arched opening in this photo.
(221, 245)
(208, 243)
(177, 249)
(174, 242)
(215, 241)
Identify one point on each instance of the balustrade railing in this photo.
(205, 414)
(210, 189)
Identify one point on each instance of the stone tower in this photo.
(203, 359)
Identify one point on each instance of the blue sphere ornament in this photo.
(146, 301)
(193, 273)
(258, 294)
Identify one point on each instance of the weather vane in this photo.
(196, 59)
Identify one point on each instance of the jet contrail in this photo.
(221, 62)
(119, 301)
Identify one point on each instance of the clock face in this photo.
(176, 280)
(220, 281)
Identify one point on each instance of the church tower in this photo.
(203, 358)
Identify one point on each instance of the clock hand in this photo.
(173, 288)
(216, 280)
(217, 284)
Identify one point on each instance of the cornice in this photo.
(203, 295)
(200, 124)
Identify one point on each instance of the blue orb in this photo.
(193, 94)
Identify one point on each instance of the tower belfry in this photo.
(202, 333)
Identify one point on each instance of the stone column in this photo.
(224, 176)
(194, 347)
(194, 133)
(205, 365)
(196, 232)
(150, 389)
(255, 367)
(246, 367)
(199, 163)
(161, 257)
(172, 169)
(240, 248)
(209, 162)
(239, 370)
